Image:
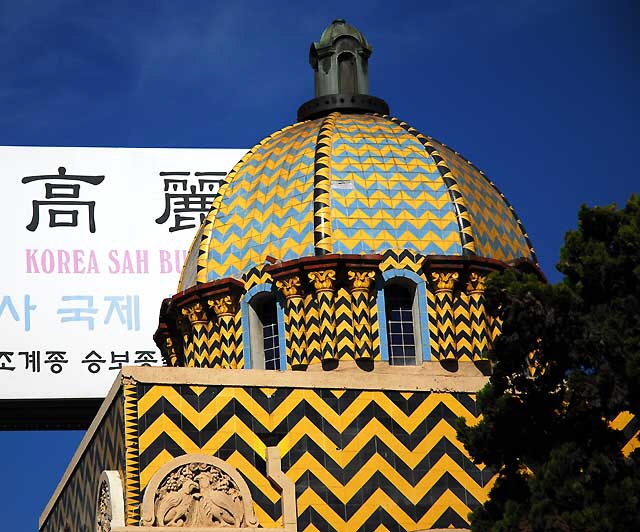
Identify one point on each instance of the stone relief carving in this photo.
(109, 502)
(199, 494)
(198, 491)
(103, 510)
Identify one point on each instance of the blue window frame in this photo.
(263, 329)
(403, 318)
(401, 333)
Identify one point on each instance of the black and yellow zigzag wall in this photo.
(359, 458)
(340, 322)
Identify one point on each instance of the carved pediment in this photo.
(198, 491)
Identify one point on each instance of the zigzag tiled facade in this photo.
(353, 249)
(361, 458)
(339, 321)
(353, 454)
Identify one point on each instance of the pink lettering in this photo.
(32, 264)
(78, 261)
(113, 257)
(47, 263)
(127, 266)
(93, 263)
(142, 261)
(165, 261)
(63, 261)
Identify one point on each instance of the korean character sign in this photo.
(98, 239)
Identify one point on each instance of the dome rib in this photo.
(462, 213)
(516, 218)
(322, 234)
(190, 276)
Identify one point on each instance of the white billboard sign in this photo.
(92, 240)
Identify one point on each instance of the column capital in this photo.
(224, 305)
(195, 313)
(172, 353)
(476, 282)
(291, 287)
(361, 279)
(323, 280)
(444, 280)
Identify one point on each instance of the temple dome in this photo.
(351, 184)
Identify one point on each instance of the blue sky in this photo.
(542, 95)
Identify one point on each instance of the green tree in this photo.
(566, 364)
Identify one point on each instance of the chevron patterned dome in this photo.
(351, 184)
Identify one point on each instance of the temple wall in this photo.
(362, 449)
(355, 455)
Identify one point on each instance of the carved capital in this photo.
(323, 281)
(195, 312)
(361, 279)
(444, 281)
(291, 286)
(224, 305)
(475, 283)
(172, 353)
(183, 326)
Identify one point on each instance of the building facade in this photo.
(328, 331)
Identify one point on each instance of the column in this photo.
(201, 336)
(360, 283)
(225, 308)
(479, 325)
(324, 284)
(291, 288)
(443, 282)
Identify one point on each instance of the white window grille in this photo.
(265, 338)
(401, 311)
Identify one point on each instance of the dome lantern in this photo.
(340, 60)
(341, 74)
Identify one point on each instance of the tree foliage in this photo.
(566, 364)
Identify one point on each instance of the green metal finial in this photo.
(341, 71)
(339, 60)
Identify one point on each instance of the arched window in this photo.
(400, 301)
(262, 323)
(347, 73)
(265, 309)
(402, 310)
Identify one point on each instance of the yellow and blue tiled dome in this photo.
(351, 184)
